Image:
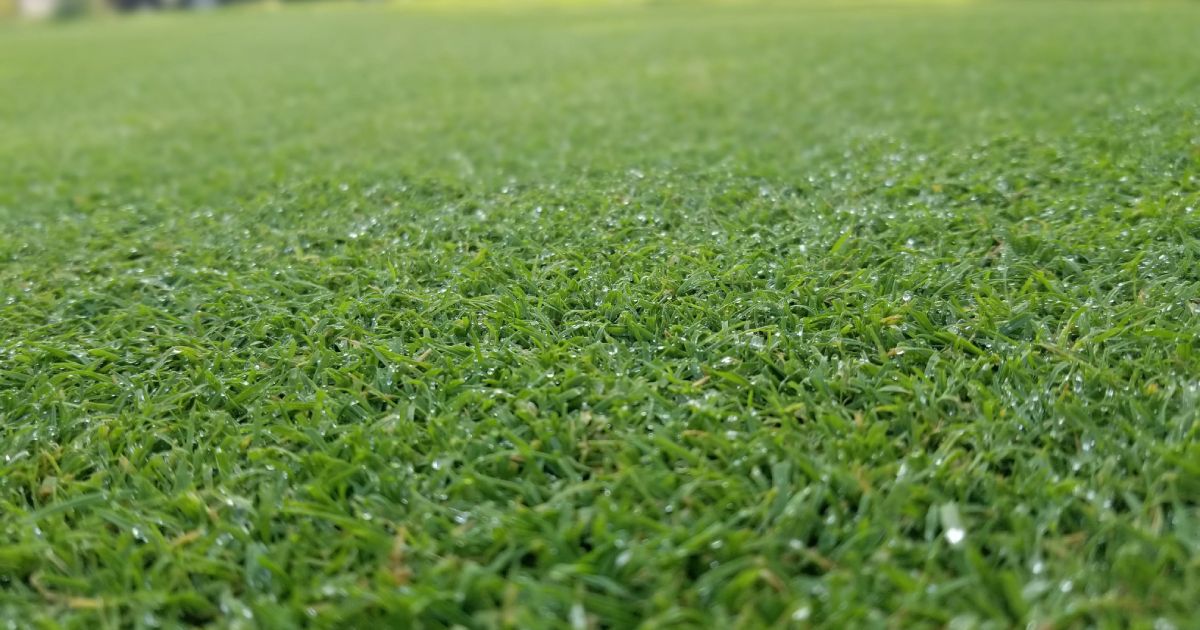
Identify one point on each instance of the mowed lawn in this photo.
(813, 314)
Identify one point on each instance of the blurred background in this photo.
(47, 9)
(69, 9)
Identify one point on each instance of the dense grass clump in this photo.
(738, 316)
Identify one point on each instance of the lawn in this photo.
(812, 314)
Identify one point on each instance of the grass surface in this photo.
(790, 316)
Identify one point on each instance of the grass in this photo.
(779, 316)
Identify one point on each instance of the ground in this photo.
(844, 315)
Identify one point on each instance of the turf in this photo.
(869, 315)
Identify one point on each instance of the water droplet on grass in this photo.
(578, 617)
(1164, 624)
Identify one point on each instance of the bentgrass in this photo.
(735, 316)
